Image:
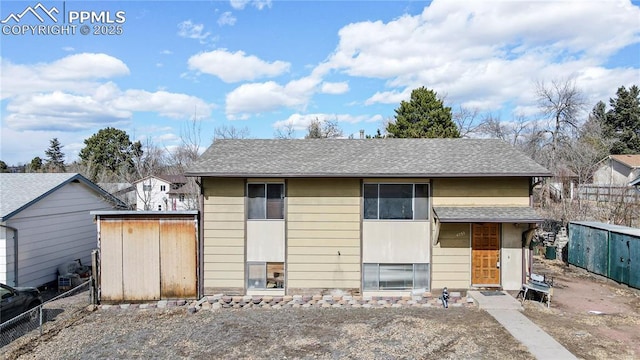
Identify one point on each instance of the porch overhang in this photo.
(472, 214)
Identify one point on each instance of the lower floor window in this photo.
(395, 276)
(265, 275)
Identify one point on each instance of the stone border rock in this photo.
(222, 301)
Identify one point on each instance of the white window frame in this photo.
(413, 200)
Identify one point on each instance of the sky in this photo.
(152, 68)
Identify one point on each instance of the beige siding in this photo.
(315, 233)
(451, 261)
(224, 233)
(481, 192)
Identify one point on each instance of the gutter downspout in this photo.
(15, 253)
(200, 182)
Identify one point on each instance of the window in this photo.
(146, 187)
(163, 187)
(181, 197)
(265, 275)
(395, 276)
(396, 201)
(265, 201)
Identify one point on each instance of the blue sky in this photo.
(263, 64)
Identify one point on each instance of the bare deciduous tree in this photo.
(230, 132)
(323, 129)
(560, 102)
(286, 131)
(467, 120)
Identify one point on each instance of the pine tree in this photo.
(55, 158)
(423, 116)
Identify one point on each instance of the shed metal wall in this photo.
(609, 250)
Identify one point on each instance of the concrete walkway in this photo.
(507, 311)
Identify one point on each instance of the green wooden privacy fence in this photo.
(608, 250)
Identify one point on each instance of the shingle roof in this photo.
(632, 161)
(18, 190)
(368, 157)
(486, 214)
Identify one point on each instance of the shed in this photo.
(147, 255)
(45, 222)
(605, 249)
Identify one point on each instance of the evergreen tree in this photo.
(35, 165)
(55, 158)
(423, 116)
(622, 121)
(109, 151)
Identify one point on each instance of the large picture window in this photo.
(265, 201)
(396, 201)
(395, 276)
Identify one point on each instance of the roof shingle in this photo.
(358, 158)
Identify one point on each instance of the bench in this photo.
(538, 285)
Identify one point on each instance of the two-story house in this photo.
(164, 193)
(367, 216)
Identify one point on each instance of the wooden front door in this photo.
(485, 254)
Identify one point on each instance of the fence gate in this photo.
(148, 255)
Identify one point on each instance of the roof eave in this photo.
(77, 177)
(363, 175)
(492, 220)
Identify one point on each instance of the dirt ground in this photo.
(593, 317)
(411, 333)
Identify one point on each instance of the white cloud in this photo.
(189, 30)
(70, 95)
(77, 73)
(256, 98)
(166, 52)
(258, 4)
(234, 67)
(226, 18)
(335, 88)
(238, 4)
(261, 4)
(486, 53)
(68, 48)
(302, 121)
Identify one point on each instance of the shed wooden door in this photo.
(485, 254)
(178, 258)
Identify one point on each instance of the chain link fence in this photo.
(49, 314)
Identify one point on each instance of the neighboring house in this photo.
(363, 216)
(617, 170)
(165, 193)
(45, 222)
(126, 192)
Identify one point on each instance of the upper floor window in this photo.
(265, 201)
(181, 197)
(163, 187)
(146, 187)
(396, 201)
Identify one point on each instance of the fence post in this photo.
(40, 311)
(93, 290)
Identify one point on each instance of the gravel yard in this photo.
(388, 333)
(591, 316)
